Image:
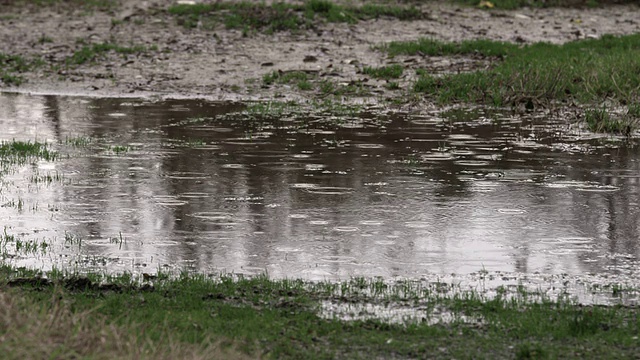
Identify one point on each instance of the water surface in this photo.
(144, 185)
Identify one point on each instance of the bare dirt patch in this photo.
(225, 64)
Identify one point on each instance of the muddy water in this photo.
(144, 185)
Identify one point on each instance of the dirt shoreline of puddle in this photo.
(222, 64)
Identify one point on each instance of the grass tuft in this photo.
(588, 71)
(432, 47)
(89, 53)
(384, 72)
(281, 16)
(11, 66)
(603, 120)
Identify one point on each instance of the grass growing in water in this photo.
(603, 120)
(19, 152)
(283, 318)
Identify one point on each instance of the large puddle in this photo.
(142, 185)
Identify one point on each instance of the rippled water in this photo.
(145, 185)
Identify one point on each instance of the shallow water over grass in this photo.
(143, 186)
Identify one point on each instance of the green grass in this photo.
(281, 16)
(310, 82)
(279, 77)
(588, 71)
(603, 120)
(384, 72)
(432, 47)
(283, 319)
(90, 53)
(19, 152)
(11, 66)
(119, 149)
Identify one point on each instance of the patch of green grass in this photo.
(89, 53)
(12, 246)
(19, 152)
(304, 85)
(280, 77)
(432, 47)
(11, 66)
(119, 149)
(392, 85)
(281, 16)
(333, 12)
(588, 71)
(384, 72)
(286, 319)
(603, 120)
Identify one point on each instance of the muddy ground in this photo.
(225, 64)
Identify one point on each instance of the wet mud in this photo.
(224, 64)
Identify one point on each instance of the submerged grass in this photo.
(284, 319)
(602, 119)
(281, 16)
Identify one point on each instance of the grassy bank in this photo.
(596, 72)
(97, 317)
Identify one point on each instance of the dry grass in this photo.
(54, 331)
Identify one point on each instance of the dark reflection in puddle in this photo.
(146, 185)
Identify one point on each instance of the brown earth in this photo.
(222, 64)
